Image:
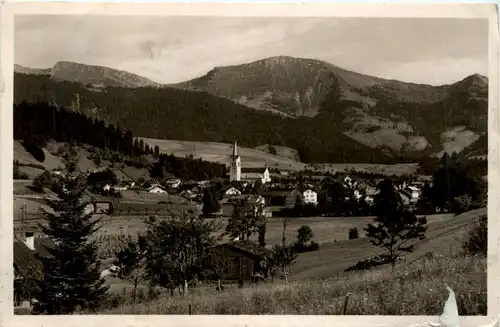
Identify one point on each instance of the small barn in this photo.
(243, 259)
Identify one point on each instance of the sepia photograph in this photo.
(273, 165)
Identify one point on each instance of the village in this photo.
(281, 196)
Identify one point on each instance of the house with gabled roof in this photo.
(28, 251)
(157, 188)
(231, 191)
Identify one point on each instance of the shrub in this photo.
(304, 235)
(34, 149)
(369, 263)
(461, 204)
(301, 248)
(43, 180)
(478, 237)
(353, 233)
(313, 246)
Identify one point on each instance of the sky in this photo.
(175, 49)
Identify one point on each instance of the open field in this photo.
(220, 152)
(146, 197)
(444, 235)
(397, 169)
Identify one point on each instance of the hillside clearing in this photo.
(25, 158)
(220, 152)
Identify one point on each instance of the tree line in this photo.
(36, 123)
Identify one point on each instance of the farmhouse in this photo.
(188, 194)
(27, 265)
(415, 193)
(243, 259)
(310, 197)
(156, 189)
(173, 183)
(277, 197)
(123, 178)
(293, 198)
(367, 187)
(151, 182)
(232, 191)
(228, 204)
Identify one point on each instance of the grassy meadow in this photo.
(319, 283)
(220, 152)
(417, 289)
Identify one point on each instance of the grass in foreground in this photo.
(418, 289)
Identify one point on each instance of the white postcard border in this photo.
(9, 10)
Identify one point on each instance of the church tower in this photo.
(235, 165)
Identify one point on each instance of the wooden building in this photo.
(244, 259)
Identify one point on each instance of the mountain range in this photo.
(393, 116)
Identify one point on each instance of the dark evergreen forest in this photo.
(168, 113)
(37, 123)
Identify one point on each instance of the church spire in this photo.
(235, 149)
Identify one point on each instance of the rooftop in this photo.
(26, 261)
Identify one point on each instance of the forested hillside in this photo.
(198, 116)
(36, 124)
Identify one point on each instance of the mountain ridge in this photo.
(90, 74)
(375, 112)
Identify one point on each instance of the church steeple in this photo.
(235, 149)
(235, 165)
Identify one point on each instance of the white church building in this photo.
(237, 173)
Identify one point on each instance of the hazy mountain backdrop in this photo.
(315, 101)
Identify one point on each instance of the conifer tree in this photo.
(71, 278)
(395, 226)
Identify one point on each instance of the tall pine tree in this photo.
(71, 279)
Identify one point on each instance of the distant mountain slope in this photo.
(404, 117)
(32, 71)
(166, 113)
(395, 117)
(298, 86)
(89, 74)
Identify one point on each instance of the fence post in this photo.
(189, 308)
(345, 303)
(23, 216)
